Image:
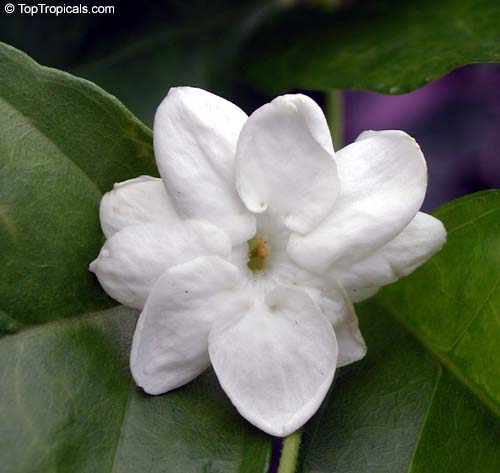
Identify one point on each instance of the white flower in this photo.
(248, 252)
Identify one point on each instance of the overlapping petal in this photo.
(132, 260)
(195, 136)
(336, 306)
(422, 238)
(334, 302)
(284, 162)
(383, 179)
(276, 360)
(170, 345)
(139, 200)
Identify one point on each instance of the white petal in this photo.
(195, 135)
(170, 345)
(335, 305)
(359, 294)
(284, 162)
(140, 200)
(132, 260)
(423, 237)
(383, 178)
(276, 361)
(239, 256)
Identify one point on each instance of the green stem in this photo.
(335, 116)
(290, 453)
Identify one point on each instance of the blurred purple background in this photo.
(456, 121)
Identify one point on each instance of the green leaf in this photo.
(386, 46)
(399, 411)
(68, 404)
(458, 320)
(426, 397)
(63, 143)
(67, 401)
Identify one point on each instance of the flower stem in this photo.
(335, 116)
(290, 453)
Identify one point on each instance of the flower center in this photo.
(259, 252)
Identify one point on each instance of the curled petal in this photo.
(140, 200)
(336, 306)
(195, 135)
(422, 238)
(132, 260)
(276, 361)
(383, 178)
(284, 162)
(170, 345)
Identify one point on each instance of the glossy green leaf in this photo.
(458, 320)
(426, 397)
(399, 411)
(67, 401)
(386, 46)
(63, 143)
(68, 404)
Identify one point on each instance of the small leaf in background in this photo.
(432, 406)
(67, 400)
(386, 46)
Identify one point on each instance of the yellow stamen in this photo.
(259, 252)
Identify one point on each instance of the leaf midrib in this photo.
(9, 105)
(440, 353)
(444, 361)
(439, 375)
(123, 426)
